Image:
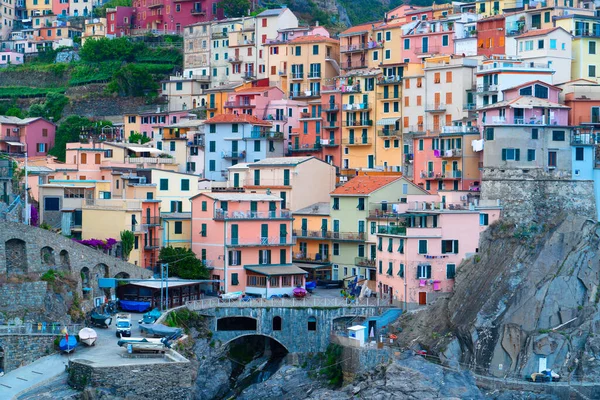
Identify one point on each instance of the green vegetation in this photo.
(235, 8)
(100, 12)
(183, 263)
(132, 80)
(333, 367)
(127, 240)
(12, 92)
(137, 137)
(52, 108)
(68, 132)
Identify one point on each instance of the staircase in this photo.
(383, 320)
(334, 63)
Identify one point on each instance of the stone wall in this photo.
(20, 350)
(294, 333)
(527, 195)
(169, 380)
(16, 297)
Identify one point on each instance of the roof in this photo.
(322, 208)
(187, 123)
(237, 119)
(359, 28)
(237, 196)
(272, 12)
(239, 166)
(314, 39)
(157, 283)
(20, 121)
(531, 83)
(276, 270)
(364, 185)
(141, 149)
(524, 102)
(539, 32)
(293, 161)
(33, 169)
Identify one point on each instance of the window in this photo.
(212, 146)
(336, 203)
(445, 40)
(423, 246)
(401, 271)
(380, 267)
(235, 281)
(212, 165)
(448, 76)
(592, 71)
(315, 49)
(592, 47)
(390, 270)
(450, 246)
(312, 324)
(558, 136)
(51, 203)
(579, 154)
(530, 154)
(437, 77)
(203, 230)
(256, 177)
(489, 134)
(534, 134)
(336, 249)
(388, 54)
(185, 184)
(484, 219)
(361, 204)
(179, 86)
(164, 184)
(541, 92)
(390, 248)
(298, 51)
(204, 205)
(541, 44)
(424, 271)
(511, 154)
(421, 144)
(450, 271)
(406, 44)
(234, 257)
(552, 44)
(552, 159)
(178, 227)
(401, 247)
(388, 36)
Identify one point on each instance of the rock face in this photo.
(213, 384)
(528, 299)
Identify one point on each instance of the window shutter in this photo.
(503, 154)
(443, 247)
(428, 271)
(401, 247)
(419, 271)
(390, 270)
(517, 154)
(229, 256)
(456, 247)
(401, 271)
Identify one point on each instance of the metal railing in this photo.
(151, 221)
(306, 147)
(460, 129)
(233, 154)
(219, 35)
(280, 214)
(262, 241)
(435, 107)
(364, 262)
(314, 258)
(389, 132)
(356, 107)
(389, 80)
(312, 302)
(451, 153)
(297, 75)
(305, 233)
(349, 236)
(153, 243)
(358, 122)
(39, 328)
(150, 160)
(391, 230)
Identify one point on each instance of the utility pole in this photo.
(162, 277)
(167, 282)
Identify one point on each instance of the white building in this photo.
(268, 24)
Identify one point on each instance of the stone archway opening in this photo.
(99, 271)
(65, 261)
(47, 256)
(277, 323)
(237, 324)
(312, 324)
(15, 252)
(85, 283)
(2, 368)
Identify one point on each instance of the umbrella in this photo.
(372, 334)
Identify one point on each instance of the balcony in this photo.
(294, 76)
(469, 107)
(150, 160)
(584, 139)
(331, 107)
(587, 32)
(427, 50)
(151, 221)
(318, 258)
(221, 215)
(389, 80)
(388, 96)
(357, 142)
(436, 107)
(355, 65)
(521, 121)
(233, 155)
(356, 107)
(261, 241)
(364, 262)
(349, 236)
(314, 75)
(358, 123)
(306, 234)
(360, 47)
(329, 143)
(350, 89)
(417, 129)
(211, 106)
(331, 125)
(307, 115)
(282, 73)
(234, 60)
(389, 132)
(455, 130)
(10, 139)
(201, 78)
(156, 4)
(236, 104)
(305, 148)
(259, 134)
(452, 153)
(391, 230)
(429, 175)
(513, 64)
(138, 228)
(219, 35)
(151, 244)
(304, 94)
(487, 88)
(198, 11)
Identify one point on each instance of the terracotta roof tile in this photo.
(359, 28)
(313, 39)
(237, 119)
(364, 184)
(537, 32)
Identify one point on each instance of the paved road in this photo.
(106, 352)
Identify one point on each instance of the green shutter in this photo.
(253, 206)
(234, 279)
(204, 206)
(380, 244)
(256, 177)
(234, 234)
(286, 177)
(503, 154)
(401, 271)
(443, 247)
(428, 271)
(401, 247)
(450, 271)
(456, 247)
(390, 270)
(380, 267)
(203, 231)
(422, 246)
(264, 230)
(164, 184)
(517, 154)
(390, 245)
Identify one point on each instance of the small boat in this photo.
(88, 336)
(299, 292)
(160, 330)
(68, 344)
(231, 295)
(150, 317)
(100, 320)
(143, 344)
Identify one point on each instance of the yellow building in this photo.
(94, 29)
(37, 8)
(177, 229)
(585, 45)
(174, 189)
(486, 8)
(313, 240)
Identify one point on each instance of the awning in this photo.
(144, 149)
(387, 121)
(276, 270)
(16, 144)
(313, 266)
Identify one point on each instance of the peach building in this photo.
(421, 243)
(246, 238)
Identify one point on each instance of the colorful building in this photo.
(170, 16)
(119, 21)
(313, 240)
(34, 136)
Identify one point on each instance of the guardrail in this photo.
(311, 302)
(39, 328)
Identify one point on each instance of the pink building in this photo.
(252, 101)
(34, 136)
(172, 15)
(60, 7)
(9, 57)
(119, 21)
(284, 114)
(421, 243)
(427, 38)
(247, 239)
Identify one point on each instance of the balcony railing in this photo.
(358, 122)
(329, 143)
(151, 221)
(233, 155)
(360, 47)
(520, 121)
(389, 80)
(305, 147)
(303, 94)
(10, 139)
(349, 89)
(389, 132)
(452, 153)
(364, 262)
(296, 75)
(511, 65)
(150, 244)
(138, 228)
(219, 35)
(356, 107)
(201, 78)
(584, 139)
(258, 134)
(234, 60)
(150, 160)
(587, 32)
(331, 107)
(262, 241)
(306, 234)
(388, 96)
(356, 65)
(311, 258)
(349, 236)
(227, 215)
(198, 11)
(427, 50)
(357, 142)
(211, 106)
(470, 107)
(436, 107)
(331, 125)
(314, 75)
(447, 175)
(233, 104)
(487, 88)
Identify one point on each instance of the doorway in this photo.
(422, 298)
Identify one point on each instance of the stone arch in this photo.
(312, 323)
(227, 343)
(99, 271)
(122, 275)
(276, 323)
(15, 256)
(47, 256)
(237, 323)
(65, 261)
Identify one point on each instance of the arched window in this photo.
(277, 323)
(312, 324)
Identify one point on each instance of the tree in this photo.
(127, 240)
(137, 137)
(69, 131)
(52, 108)
(235, 8)
(100, 12)
(183, 263)
(131, 80)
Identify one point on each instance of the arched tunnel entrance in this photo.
(254, 359)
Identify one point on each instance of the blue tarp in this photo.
(64, 346)
(138, 306)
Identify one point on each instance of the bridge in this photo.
(299, 325)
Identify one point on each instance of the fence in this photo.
(312, 302)
(39, 328)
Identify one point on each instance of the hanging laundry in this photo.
(436, 153)
(477, 145)
(423, 282)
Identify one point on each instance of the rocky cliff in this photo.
(529, 297)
